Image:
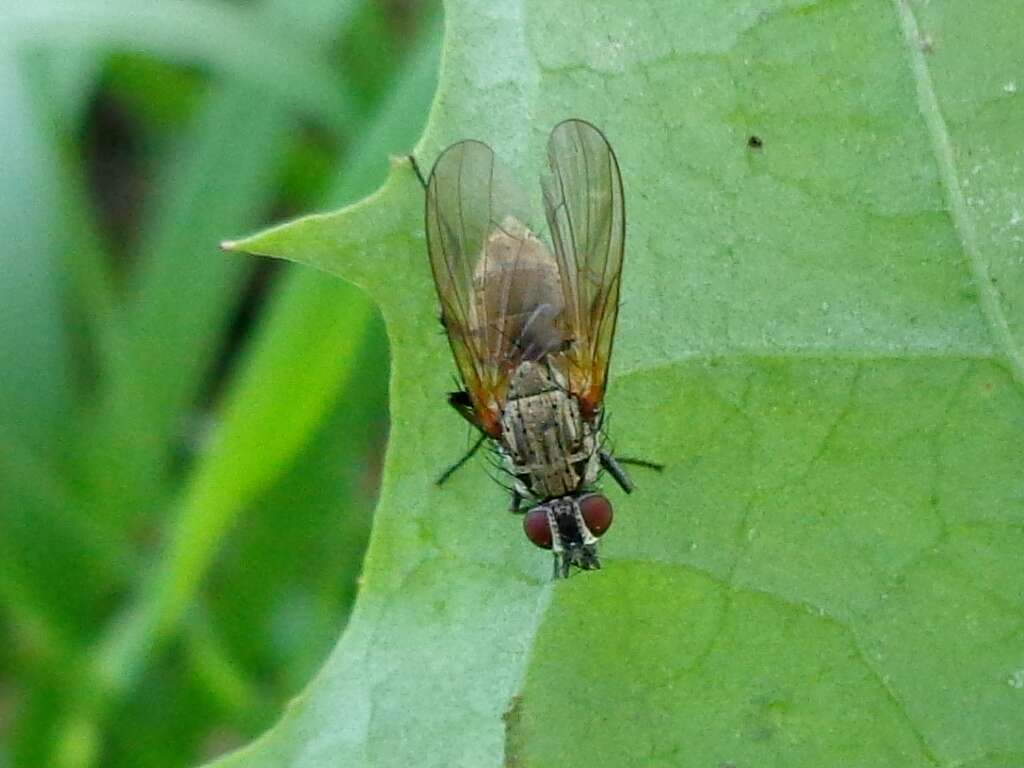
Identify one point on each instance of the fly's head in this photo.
(570, 526)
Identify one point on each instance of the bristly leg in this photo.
(516, 502)
(416, 169)
(611, 466)
(458, 464)
(640, 463)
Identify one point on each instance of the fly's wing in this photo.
(497, 283)
(586, 215)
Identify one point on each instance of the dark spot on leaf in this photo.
(513, 745)
(754, 142)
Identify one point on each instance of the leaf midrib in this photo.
(928, 105)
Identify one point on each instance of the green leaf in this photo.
(820, 336)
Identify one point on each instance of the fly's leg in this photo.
(458, 464)
(641, 463)
(562, 566)
(416, 170)
(612, 467)
(517, 500)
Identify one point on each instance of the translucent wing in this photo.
(498, 284)
(586, 214)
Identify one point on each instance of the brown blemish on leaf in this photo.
(512, 719)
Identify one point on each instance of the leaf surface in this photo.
(821, 336)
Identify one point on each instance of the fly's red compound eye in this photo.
(536, 528)
(597, 512)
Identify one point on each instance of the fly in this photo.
(531, 326)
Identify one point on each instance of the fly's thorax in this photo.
(547, 445)
(535, 378)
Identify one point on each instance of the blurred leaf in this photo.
(156, 92)
(218, 35)
(72, 76)
(151, 358)
(66, 565)
(60, 567)
(312, 330)
(369, 52)
(321, 503)
(819, 336)
(262, 431)
(33, 387)
(394, 125)
(311, 347)
(216, 180)
(181, 301)
(312, 526)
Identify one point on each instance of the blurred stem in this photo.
(219, 672)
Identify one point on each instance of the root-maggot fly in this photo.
(531, 326)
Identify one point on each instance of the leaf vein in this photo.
(942, 147)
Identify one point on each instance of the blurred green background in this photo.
(190, 441)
